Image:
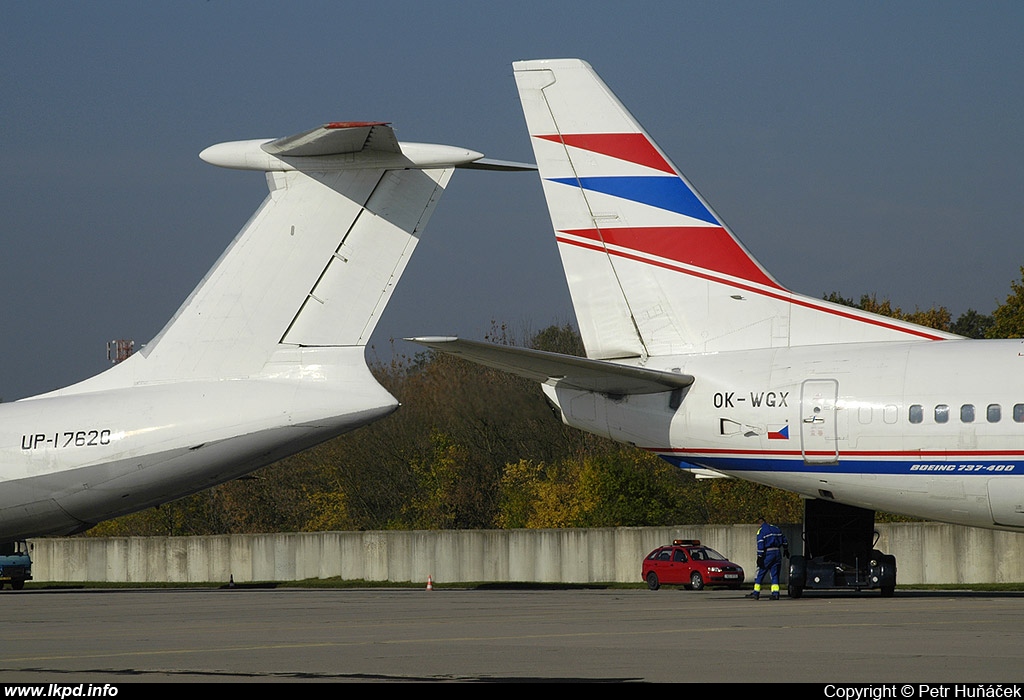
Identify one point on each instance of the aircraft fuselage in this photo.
(67, 462)
(864, 424)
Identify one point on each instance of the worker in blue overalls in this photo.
(771, 547)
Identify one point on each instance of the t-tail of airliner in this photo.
(263, 359)
(311, 272)
(652, 269)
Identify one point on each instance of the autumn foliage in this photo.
(470, 447)
(473, 447)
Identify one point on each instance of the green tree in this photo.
(436, 502)
(618, 486)
(519, 493)
(971, 324)
(725, 501)
(937, 317)
(563, 339)
(1008, 318)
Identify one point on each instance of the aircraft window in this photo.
(994, 413)
(967, 413)
(864, 414)
(916, 413)
(942, 413)
(1018, 412)
(890, 414)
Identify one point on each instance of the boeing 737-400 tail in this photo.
(697, 354)
(652, 269)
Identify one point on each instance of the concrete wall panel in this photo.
(925, 553)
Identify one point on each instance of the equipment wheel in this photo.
(696, 582)
(795, 591)
(887, 575)
(17, 584)
(652, 581)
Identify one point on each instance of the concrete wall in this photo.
(925, 553)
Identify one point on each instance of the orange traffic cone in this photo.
(430, 583)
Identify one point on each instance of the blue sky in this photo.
(858, 147)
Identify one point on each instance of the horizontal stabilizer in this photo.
(561, 370)
(491, 164)
(345, 146)
(336, 138)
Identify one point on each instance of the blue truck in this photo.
(15, 564)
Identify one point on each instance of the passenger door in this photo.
(818, 399)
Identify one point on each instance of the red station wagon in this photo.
(688, 563)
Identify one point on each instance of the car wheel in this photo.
(696, 582)
(652, 581)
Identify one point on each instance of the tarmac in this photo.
(206, 635)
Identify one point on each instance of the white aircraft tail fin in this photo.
(651, 268)
(315, 265)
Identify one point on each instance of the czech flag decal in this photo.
(778, 432)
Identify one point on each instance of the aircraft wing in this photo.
(562, 370)
(492, 164)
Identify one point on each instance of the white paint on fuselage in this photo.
(71, 461)
(970, 473)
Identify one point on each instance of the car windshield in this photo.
(705, 554)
